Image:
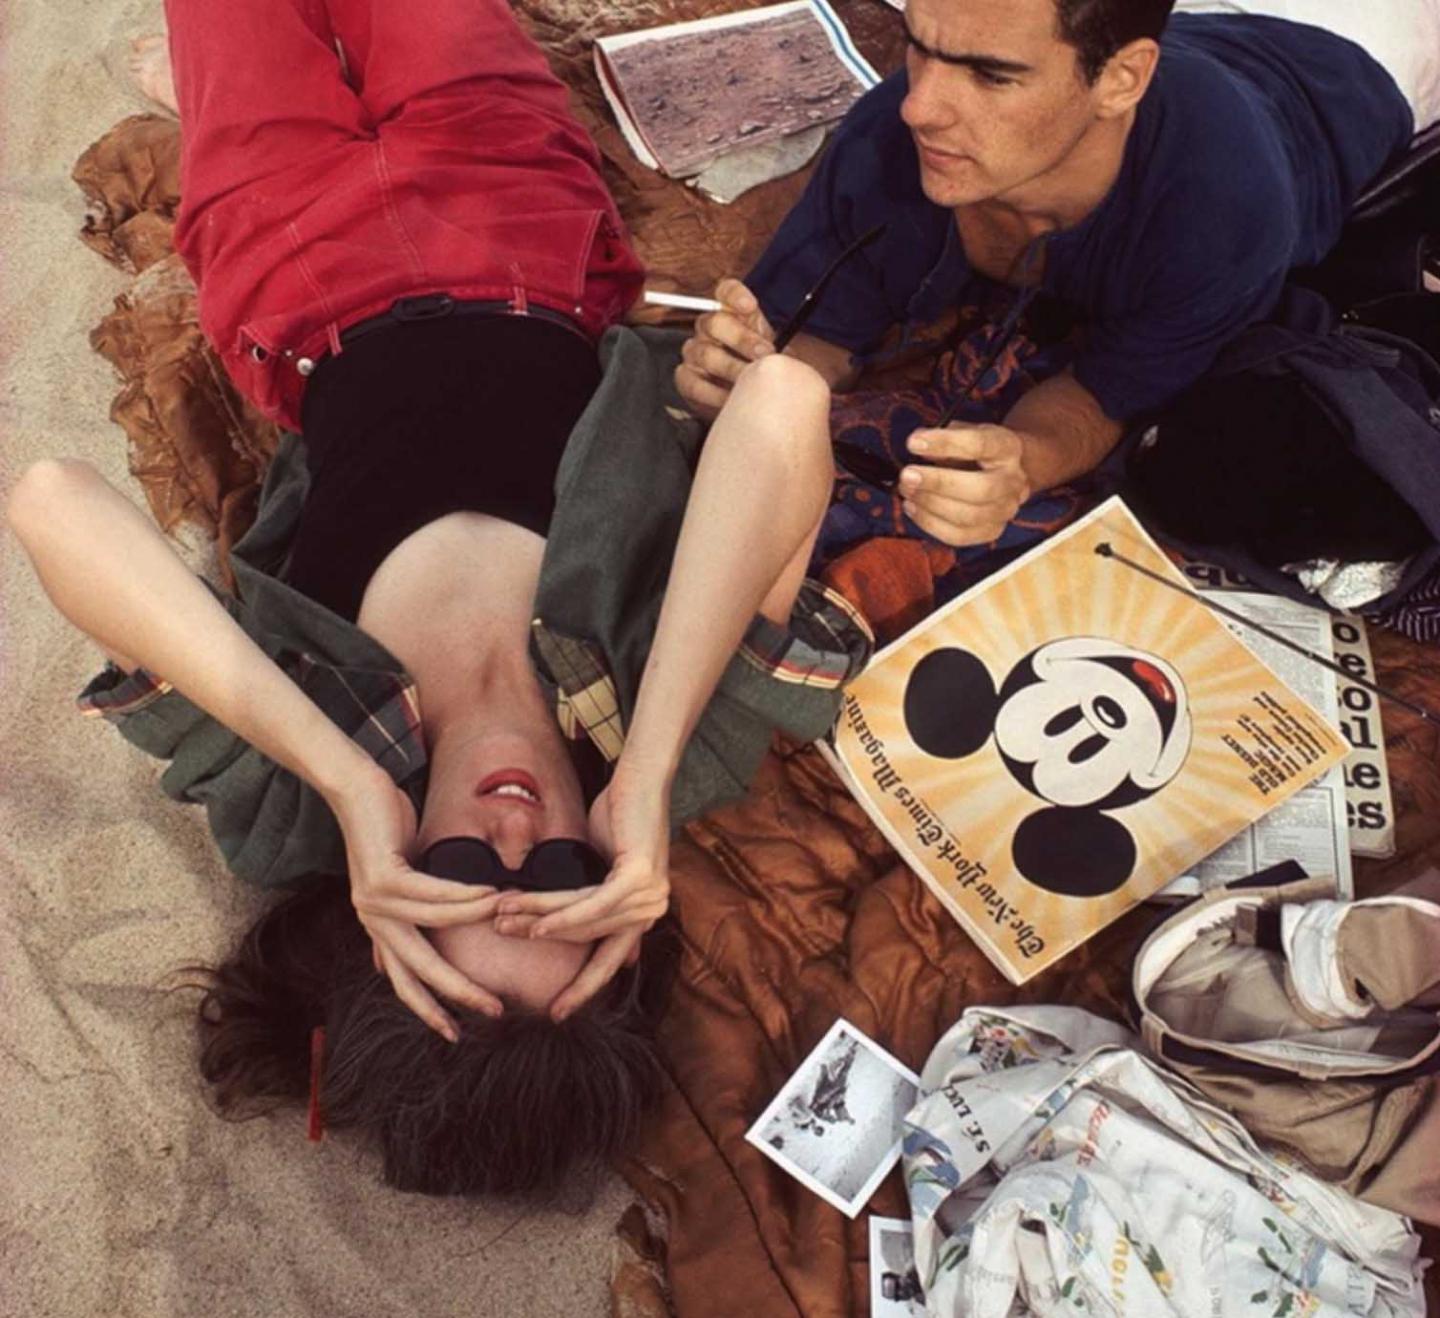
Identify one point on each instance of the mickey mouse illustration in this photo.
(1084, 723)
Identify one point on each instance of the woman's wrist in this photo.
(655, 740)
(347, 780)
(640, 772)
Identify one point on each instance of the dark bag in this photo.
(1390, 239)
(1311, 438)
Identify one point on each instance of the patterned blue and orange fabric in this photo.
(881, 421)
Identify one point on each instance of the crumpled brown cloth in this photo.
(793, 911)
(196, 446)
(791, 908)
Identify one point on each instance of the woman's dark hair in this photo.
(518, 1105)
(1098, 28)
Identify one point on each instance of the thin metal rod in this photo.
(1106, 551)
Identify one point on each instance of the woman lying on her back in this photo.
(452, 594)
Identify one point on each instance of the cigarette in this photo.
(681, 301)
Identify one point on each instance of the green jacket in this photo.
(620, 498)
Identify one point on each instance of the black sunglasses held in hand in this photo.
(559, 864)
(868, 468)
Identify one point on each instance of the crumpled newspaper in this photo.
(1347, 585)
(1106, 1185)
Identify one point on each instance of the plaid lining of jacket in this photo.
(587, 700)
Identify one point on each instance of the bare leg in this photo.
(761, 488)
(780, 602)
(760, 491)
(150, 67)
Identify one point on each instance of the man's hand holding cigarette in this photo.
(723, 344)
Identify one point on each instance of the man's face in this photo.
(996, 98)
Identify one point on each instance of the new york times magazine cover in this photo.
(1061, 741)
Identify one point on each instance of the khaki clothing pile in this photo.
(1315, 1022)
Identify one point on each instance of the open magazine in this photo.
(687, 94)
(1067, 737)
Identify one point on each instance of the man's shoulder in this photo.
(1268, 104)
(876, 115)
(1202, 147)
(1202, 112)
(869, 178)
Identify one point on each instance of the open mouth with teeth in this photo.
(511, 785)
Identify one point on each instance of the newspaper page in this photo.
(1312, 826)
(689, 93)
(1370, 806)
(1367, 776)
(1062, 740)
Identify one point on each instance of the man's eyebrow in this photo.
(983, 63)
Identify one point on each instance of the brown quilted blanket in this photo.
(791, 909)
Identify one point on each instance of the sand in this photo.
(120, 1193)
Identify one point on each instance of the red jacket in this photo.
(444, 159)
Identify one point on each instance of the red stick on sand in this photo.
(315, 1127)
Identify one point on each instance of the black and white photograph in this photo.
(894, 1283)
(836, 1125)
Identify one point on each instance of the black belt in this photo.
(436, 306)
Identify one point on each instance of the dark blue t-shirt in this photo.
(1247, 153)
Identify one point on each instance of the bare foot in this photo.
(150, 67)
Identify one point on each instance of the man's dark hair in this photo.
(518, 1105)
(1098, 28)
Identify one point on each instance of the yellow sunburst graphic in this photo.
(1252, 741)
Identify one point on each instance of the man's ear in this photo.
(1126, 78)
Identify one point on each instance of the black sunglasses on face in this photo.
(558, 864)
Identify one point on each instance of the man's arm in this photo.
(1064, 433)
(1056, 433)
